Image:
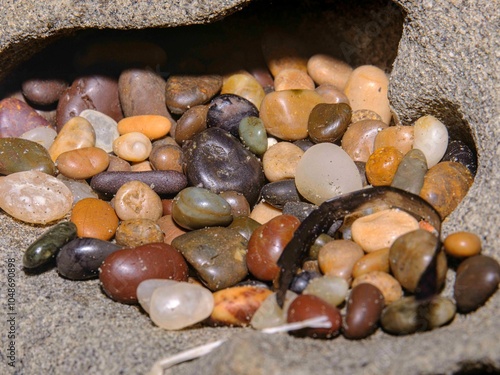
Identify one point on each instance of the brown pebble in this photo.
(169, 228)
(280, 161)
(359, 139)
(166, 158)
(462, 244)
(375, 261)
(327, 69)
(293, 79)
(364, 308)
(82, 163)
(137, 232)
(94, 218)
(382, 165)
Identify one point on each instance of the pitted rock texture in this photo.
(446, 66)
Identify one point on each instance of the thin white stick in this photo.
(316, 322)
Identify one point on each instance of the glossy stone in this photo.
(262, 212)
(328, 69)
(81, 258)
(293, 79)
(184, 92)
(237, 201)
(285, 113)
(123, 270)
(17, 155)
(137, 232)
(246, 86)
(307, 306)
(337, 258)
(331, 289)
(476, 281)
(34, 197)
(388, 285)
(94, 218)
(411, 171)
(134, 147)
(105, 128)
(219, 162)
(82, 163)
(278, 193)
(445, 185)
(331, 94)
(377, 260)
(43, 92)
(17, 117)
(169, 228)
(266, 245)
(462, 244)
(236, 306)
(328, 122)
(244, 225)
(136, 200)
(459, 152)
(253, 134)
(79, 188)
(42, 135)
(217, 254)
(409, 315)
(166, 157)
(195, 208)
(280, 161)
(431, 137)
(326, 171)
(192, 122)
(76, 133)
(400, 137)
(364, 308)
(48, 244)
(152, 126)
(358, 140)
(382, 165)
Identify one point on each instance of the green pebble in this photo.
(253, 134)
(19, 155)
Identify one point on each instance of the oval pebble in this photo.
(136, 200)
(431, 137)
(400, 137)
(79, 188)
(246, 86)
(280, 161)
(137, 232)
(132, 146)
(184, 92)
(105, 128)
(331, 289)
(411, 172)
(382, 166)
(358, 140)
(377, 260)
(152, 126)
(76, 133)
(328, 69)
(42, 91)
(253, 134)
(17, 117)
(94, 218)
(328, 122)
(462, 244)
(278, 193)
(293, 79)
(337, 258)
(82, 163)
(364, 308)
(18, 155)
(388, 285)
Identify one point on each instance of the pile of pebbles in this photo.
(182, 193)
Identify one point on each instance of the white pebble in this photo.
(430, 137)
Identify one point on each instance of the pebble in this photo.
(409, 315)
(411, 172)
(227, 111)
(34, 197)
(17, 117)
(244, 225)
(217, 254)
(364, 308)
(43, 92)
(337, 258)
(462, 244)
(331, 289)
(459, 152)
(410, 256)
(134, 147)
(400, 137)
(280, 161)
(270, 314)
(431, 137)
(82, 163)
(166, 158)
(218, 162)
(246, 86)
(307, 306)
(123, 270)
(94, 218)
(367, 88)
(328, 122)
(302, 279)
(175, 305)
(76, 133)
(293, 79)
(358, 140)
(236, 306)
(136, 200)
(162, 182)
(278, 193)
(192, 122)
(184, 92)
(377, 260)
(326, 171)
(262, 212)
(45, 247)
(97, 92)
(18, 155)
(43, 135)
(382, 165)
(476, 281)
(266, 245)
(445, 185)
(169, 228)
(285, 113)
(196, 207)
(388, 285)
(79, 188)
(331, 94)
(326, 69)
(252, 133)
(105, 128)
(137, 232)
(81, 258)
(152, 126)
(380, 229)
(238, 202)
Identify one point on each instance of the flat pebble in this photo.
(18, 155)
(137, 232)
(82, 163)
(133, 146)
(43, 92)
(252, 133)
(382, 165)
(280, 161)
(105, 128)
(364, 308)
(136, 200)
(34, 197)
(94, 218)
(152, 126)
(388, 285)
(337, 258)
(358, 140)
(17, 117)
(76, 133)
(184, 92)
(328, 69)
(431, 137)
(462, 244)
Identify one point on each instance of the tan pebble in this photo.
(293, 79)
(359, 139)
(364, 114)
(331, 94)
(280, 161)
(244, 85)
(375, 261)
(400, 137)
(327, 69)
(367, 89)
(133, 146)
(380, 229)
(94, 218)
(170, 229)
(118, 164)
(141, 166)
(462, 244)
(152, 126)
(388, 285)
(136, 200)
(382, 165)
(236, 306)
(166, 158)
(76, 133)
(337, 258)
(137, 232)
(263, 212)
(82, 163)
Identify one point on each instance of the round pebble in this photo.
(388, 285)
(82, 163)
(431, 137)
(192, 122)
(94, 218)
(280, 161)
(382, 165)
(328, 122)
(337, 258)
(358, 140)
(246, 86)
(166, 158)
(132, 146)
(136, 200)
(462, 244)
(253, 134)
(137, 232)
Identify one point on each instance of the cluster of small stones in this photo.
(183, 193)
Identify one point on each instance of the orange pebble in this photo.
(382, 165)
(462, 244)
(152, 126)
(94, 218)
